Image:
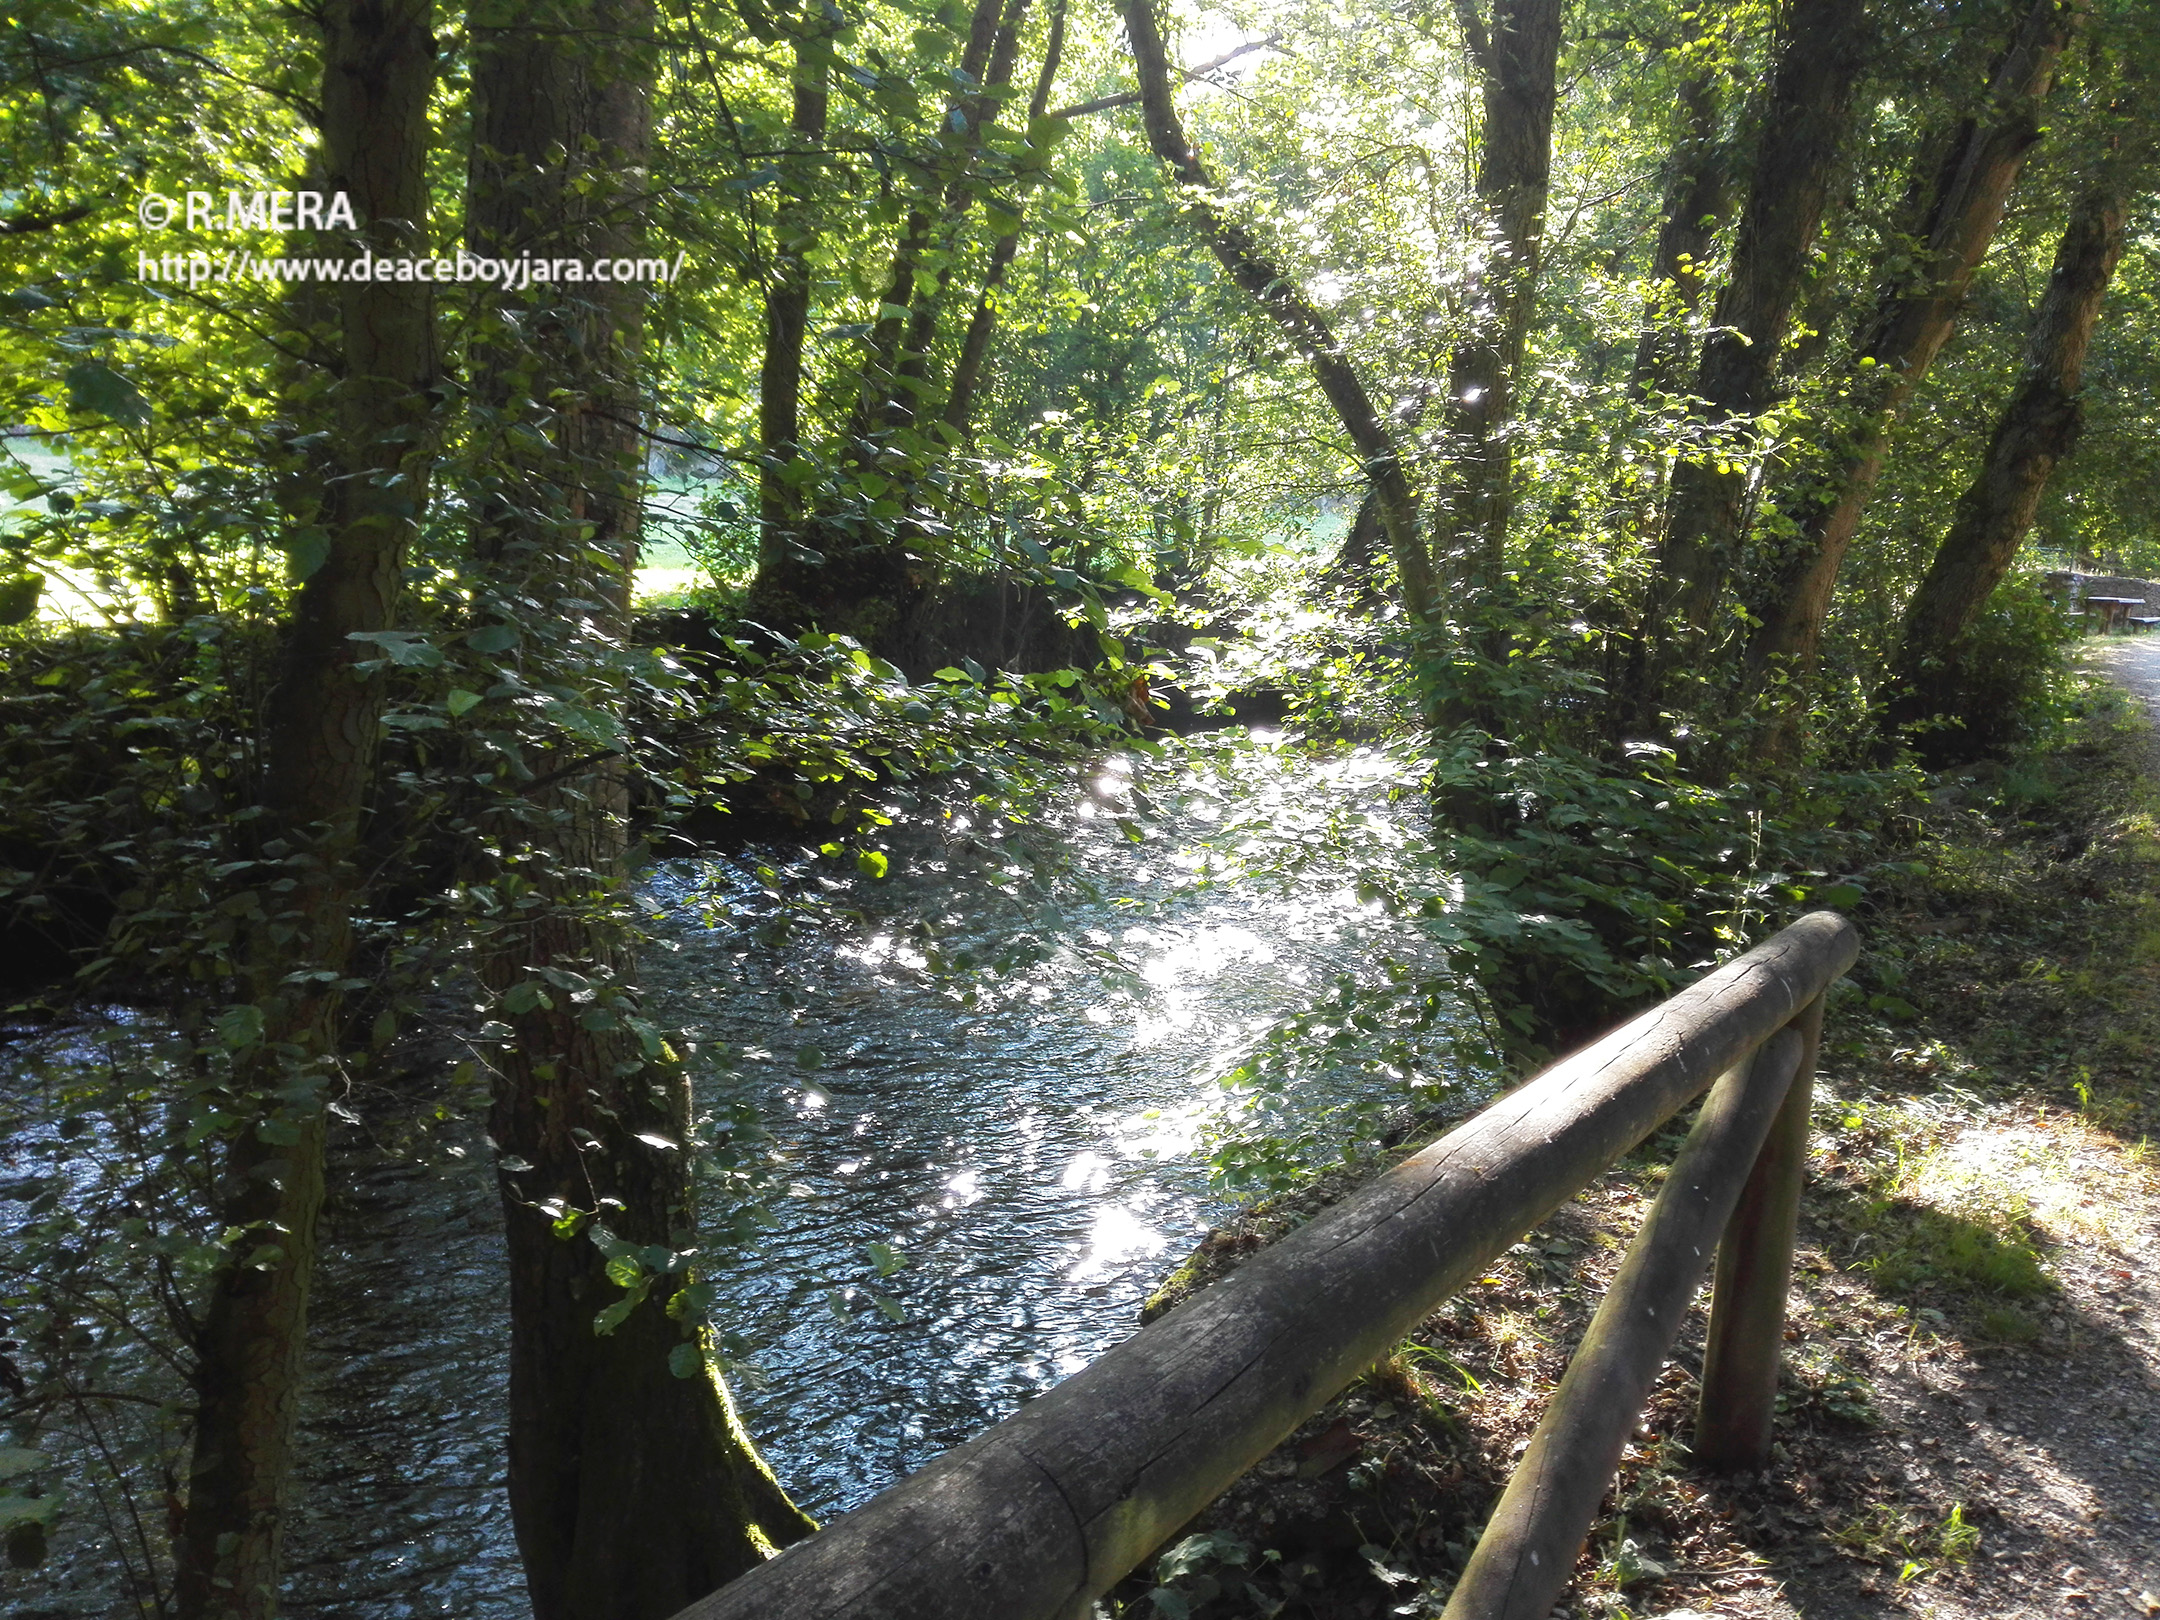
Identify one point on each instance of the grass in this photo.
(1890, 1534)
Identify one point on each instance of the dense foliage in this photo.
(1641, 430)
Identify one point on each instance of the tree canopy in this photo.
(1651, 426)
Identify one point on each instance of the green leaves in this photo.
(19, 597)
(613, 1317)
(598, 727)
(16, 1461)
(527, 996)
(240, 1026)
(95, 389)
(306, 550)
(25, 1515)
(408, 649)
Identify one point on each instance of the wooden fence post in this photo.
(1754, 1275)
(1527, 1554)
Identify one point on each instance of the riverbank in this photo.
(1968, 1427)
(976, 1090)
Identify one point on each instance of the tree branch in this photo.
(1197, 75)
(24, 224)
(1475, 39)
(1292, 312)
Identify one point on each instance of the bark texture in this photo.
(982, 325)
(1516, 58)
(1914, 318)
(1698, 191)
(1803, 122)
(1293, 313)
(319, 754)
(633, 1488)
(856, 573)
(2037, 429)
(787, 307)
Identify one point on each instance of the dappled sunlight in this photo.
(1118, 1236)
(1026, 627)
(1044, 1070)
(2064, 1175)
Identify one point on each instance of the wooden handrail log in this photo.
(1527, 1553)
(1040, 1514)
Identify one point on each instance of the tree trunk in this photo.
(2036, 430)
(1698, 190)
(1804, 119)
(787, 311)
(633, 1488)
(1913, 320)
(1517, 59)
(975, 348)
(853, 574)
(881, 390)
(1305, 327)
(911, 372)
(319, 753)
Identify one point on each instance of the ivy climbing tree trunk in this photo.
(851, 557)
(2037, 428)
(1698, 191)
(319, 753)
(783, 476)
(1915, 314)
(634, 1489)
(975, 347)
(1822, 46)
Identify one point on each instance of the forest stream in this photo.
(1022, 1154)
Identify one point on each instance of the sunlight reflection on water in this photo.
(1035, 1157)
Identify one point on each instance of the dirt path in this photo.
(2050, 1447)
(1971, 1425)
(2133, 663)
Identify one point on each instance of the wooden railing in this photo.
(1038, 1516)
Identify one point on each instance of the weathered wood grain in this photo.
(1754, 1275)
(1528, 1550)
(1035, 1517)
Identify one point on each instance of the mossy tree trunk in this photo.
(2037, 428)
(634, 1489)
(854, 557)
(1516, 53)
(1789, 599)
(1804, 120)
(319, 753)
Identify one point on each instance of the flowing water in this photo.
(981, 1175)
